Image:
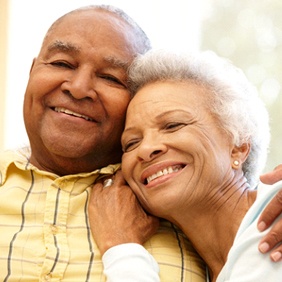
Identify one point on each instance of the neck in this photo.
(65, 165)
(212, 227)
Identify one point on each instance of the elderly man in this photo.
(74, 112)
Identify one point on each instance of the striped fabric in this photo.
(45, 233)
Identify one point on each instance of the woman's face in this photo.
(175, 152)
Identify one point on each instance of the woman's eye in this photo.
(174, 125)
(129, 146)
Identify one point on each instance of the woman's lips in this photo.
(162, 172)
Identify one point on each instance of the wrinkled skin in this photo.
(116, 216)
(74, 112)
(109, 206)
(81, 69)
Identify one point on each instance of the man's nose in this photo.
(81, 85)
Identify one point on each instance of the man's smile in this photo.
(69, 112)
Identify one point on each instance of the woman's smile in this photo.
(161, 174)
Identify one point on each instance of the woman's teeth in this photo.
(168, 170)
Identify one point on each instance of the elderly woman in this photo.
(195, 142)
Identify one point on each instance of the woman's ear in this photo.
(239, 155)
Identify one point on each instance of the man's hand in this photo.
(272, 176)
(116, 217)
(272, 241)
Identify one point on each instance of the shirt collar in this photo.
(20, 159)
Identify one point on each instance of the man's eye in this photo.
(62, 64)
(113, 79)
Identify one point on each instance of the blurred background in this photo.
(248, 32)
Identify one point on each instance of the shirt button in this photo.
(48, 277)
(54, 229)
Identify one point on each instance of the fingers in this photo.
(272, 176)
(118, 178)
(274, 208)
(271, 212)
(116, 216)
(272, 242)
(108, 182)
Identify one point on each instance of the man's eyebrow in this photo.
(63, 46)
(115, 62)
(71, 48)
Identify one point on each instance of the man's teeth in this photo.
(68, 112)
(165, 171)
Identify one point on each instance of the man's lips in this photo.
(71, 113)
(162, 172)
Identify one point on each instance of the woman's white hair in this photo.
(232, 99)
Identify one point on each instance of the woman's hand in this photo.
(116, 217)
(272, 241)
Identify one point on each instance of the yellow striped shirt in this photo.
(45, 233)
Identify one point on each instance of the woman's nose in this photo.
(151, 149)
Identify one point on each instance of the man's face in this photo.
(77, 95)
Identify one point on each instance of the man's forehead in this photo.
(63, 46)
(74, 49)
(93, 15)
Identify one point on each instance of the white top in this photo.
(130, 263)
(245, 263)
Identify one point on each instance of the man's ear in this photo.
(31, 67)
(239, 154)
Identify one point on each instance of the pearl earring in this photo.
(236, 163)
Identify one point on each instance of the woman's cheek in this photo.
(125, 168)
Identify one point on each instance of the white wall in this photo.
(173, 25)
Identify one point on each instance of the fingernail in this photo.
(276, 256)
(264, 247)
(261, 226)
